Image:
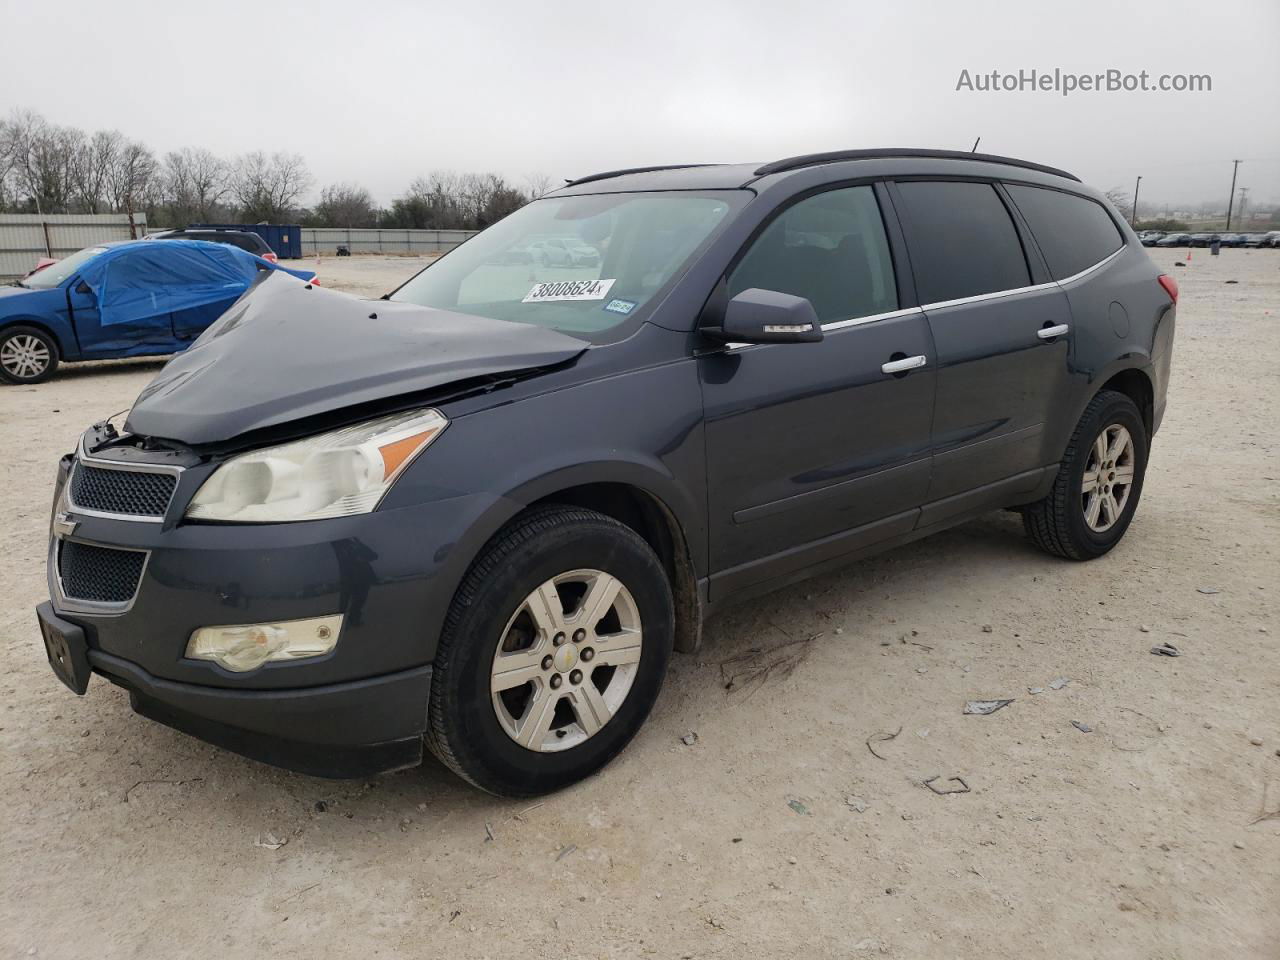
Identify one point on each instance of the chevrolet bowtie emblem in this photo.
(63, 525)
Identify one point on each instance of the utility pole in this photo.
(1133, 221)
(1244, 200)
(1232, 195)
(975, 145)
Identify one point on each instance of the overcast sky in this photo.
(378, 92)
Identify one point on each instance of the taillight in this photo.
(1170, 286)
(270, 258)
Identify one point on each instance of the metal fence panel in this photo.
(326, 240)
(25, 238)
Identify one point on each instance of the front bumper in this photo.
(361, 708)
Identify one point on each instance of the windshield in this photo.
(581, 265)
(55, 273)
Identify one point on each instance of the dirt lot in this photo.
(776, 833)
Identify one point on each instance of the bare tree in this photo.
(539, 184)
(92, 168)
(1119, 199)
(344, 205)
(196, 180)
(268, 188)
(41, 158)
(133, 178)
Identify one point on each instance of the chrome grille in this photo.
(132, 492)
(99, 574)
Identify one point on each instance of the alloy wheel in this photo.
(566, 660)
(1108, 478)
(24, 356)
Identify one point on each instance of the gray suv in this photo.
(478, 515)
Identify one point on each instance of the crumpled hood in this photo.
(285, 351)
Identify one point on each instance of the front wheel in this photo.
(552, 654)
(27, 355)
(1096, 492)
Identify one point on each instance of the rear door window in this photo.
(830, 249)
(1073, 232)
(962, 240)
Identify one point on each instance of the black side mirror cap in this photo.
(767, 316)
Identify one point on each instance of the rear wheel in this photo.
(1096, 492)
(27, 355)
(553, 653)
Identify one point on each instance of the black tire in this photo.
(10, 335)
(463, 726)
(1057, 523)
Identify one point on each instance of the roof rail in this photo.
(835, 156)
(609, 174)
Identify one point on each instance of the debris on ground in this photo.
(269, 841)
(881, 737)
(987, 628)
(755, 667)
(1035, 690)
(1058, 683)
(488, 832)
(1082, 726)
(1256, 741)
(1208, 591)
(798, 807)
(1144, 628)
(856, 803)
(565, 851)
(1166, 650)
(957, 785)
(982, 708)
(689, 739)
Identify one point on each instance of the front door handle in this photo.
(903, 365)
(1048, 333)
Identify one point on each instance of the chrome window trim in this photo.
(1097, 266)
(871, 318)
(994, 295)
(960, 301)
(82, 456)
(94, 608)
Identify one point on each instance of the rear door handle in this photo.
(903, 365)
(1048, 333)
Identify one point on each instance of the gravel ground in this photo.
(776, 832)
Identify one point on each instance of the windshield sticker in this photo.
(620, 306)
(568, 290)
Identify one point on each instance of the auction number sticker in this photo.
(568, 290)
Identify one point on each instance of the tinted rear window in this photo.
(1073, 233)
(962, 241)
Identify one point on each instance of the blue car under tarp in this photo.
(134, 282)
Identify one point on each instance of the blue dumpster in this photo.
(284, 238)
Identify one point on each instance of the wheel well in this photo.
(39, 325)
(1135, 385)
(657, 525)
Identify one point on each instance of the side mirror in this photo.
(766, 316)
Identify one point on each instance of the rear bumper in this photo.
(342, 730)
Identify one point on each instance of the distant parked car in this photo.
(1174, 240)
(1231, 239)
(129, 299)
(1273, 238)
(1202, 239)
(562, 252)
(249, 242)
(1150, 237)
(1254, 240)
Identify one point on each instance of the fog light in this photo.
(249, 646)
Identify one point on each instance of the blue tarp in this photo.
(154, 278)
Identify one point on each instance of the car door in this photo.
(140, 335)
(815, 450)
(1002, 333)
